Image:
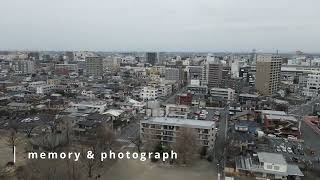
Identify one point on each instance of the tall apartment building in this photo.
(165, 130)
(313, 85)
(151, 58)
(94, 66)
(268, 72)
(173, 74)
(23, 66)
(214, 73)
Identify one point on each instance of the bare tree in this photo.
(137, 142)
(105, 137)
(186, 145)
(12, 139)
(29, 130)
(90, 164)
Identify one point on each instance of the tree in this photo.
(137, 142)
(12, 139)
(29, 130)
(90, 163)
(105, 137)
(186, 145)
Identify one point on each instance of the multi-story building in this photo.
(66, 69)
(268, 71)
(214, 73)
(164, 90)
(198, 90)
(312, 88)
(267, 165)
(23, 66)
(151, 58)
(244, 98)
(173, 74)
(221, 93)
(165, 130)
(45, 89)
(177, 111)
(194, 73)
(94, 66)
(149, 93)
(184, 99)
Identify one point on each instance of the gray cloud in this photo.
(195, 25)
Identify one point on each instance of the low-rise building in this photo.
(245, 98)
(221, 93)
(98, 106)
(267, 165)
(177, 111)
(166, 129)
(45, 89)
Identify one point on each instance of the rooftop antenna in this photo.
(277, 51)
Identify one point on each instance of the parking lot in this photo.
(294, 151)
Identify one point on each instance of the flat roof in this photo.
(180, 122)
(249, 95)
(272, 112)
(275, 116)
(271, 158)
(114, 112)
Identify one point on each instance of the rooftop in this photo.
(180, 122)
(281, 117)
(271, 158)
(249, 95)
(272, 112)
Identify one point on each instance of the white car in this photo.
(278, 149)
(289, 150)
(204, 112)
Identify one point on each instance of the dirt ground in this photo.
(137, 170)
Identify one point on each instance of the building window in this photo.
(269, 166)
(277, 168)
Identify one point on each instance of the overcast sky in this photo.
(160, 25)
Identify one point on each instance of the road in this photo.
(219, 151)
(171, 99)
(309, 136)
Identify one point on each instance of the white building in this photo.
(149, 93)
(267, 165)
(164, 90)
(165, 130)
(177, 111)
(227, 94)
(23, 66)
(99, 106)
(88, 93)
(44, 89)
(313, 85)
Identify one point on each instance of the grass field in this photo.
(137, 170)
